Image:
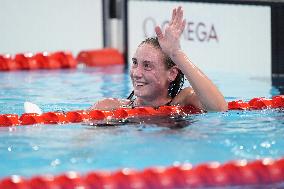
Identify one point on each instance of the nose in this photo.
(137, 72)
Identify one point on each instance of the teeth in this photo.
(139, 84)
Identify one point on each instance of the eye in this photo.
(147, 66)
(134, 62)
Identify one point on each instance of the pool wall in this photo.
(51, 25)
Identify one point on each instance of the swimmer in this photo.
(158, 68)
(157, 73)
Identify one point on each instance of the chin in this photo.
(140, 94)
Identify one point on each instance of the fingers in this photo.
(173, 16)
(159, 32)
(177, 23)
(183, 26)
(177, 18)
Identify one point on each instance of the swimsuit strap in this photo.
(131, 104)
(169, 103)
(130, 95)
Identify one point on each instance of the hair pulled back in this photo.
(176, 85)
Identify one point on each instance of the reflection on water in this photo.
(61, 89)
(141, 142)
(136, 142)
(172, 122)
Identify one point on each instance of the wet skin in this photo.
(149, 75)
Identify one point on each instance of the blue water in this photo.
(42, 149)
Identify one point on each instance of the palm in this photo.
(170, 40)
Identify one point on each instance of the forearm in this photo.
(209, 95)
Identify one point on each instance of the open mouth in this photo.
(140, 84)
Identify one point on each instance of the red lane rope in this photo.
(60, 59)
(235, 173)
(82, 115)
(101, 57)
(29, 61)
(257, 103)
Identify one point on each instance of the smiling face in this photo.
(150, 77)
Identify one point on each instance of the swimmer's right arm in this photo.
(110, 104)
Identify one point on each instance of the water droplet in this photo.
(273, 142)
(227, 142)
(73, 160)
(55, 163)
(35, 148)
(16, 178)
(265, 144)
(89, 160)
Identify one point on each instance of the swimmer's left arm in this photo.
(205, 91)
(109, 104)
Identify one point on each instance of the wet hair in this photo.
(176, 85)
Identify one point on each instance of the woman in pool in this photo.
(157, 73)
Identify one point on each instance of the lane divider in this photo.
(101, 57)
(235, 173)
(77, 116)
(29, 61)
(82, 115)
(60, 59)
(257, 103)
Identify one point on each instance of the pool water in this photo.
(138, 143)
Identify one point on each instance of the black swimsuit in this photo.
(131, 104)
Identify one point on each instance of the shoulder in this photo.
(187, 96)
(183, 96)
(110, 104)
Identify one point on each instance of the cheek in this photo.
(131, 74)
(160, 79)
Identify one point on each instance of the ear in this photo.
(173, 72)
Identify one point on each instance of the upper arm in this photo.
(187, 96)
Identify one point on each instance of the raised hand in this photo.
(170, 39)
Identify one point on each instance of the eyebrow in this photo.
(144, 61)
(147, 61)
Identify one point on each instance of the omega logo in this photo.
(194, 31)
